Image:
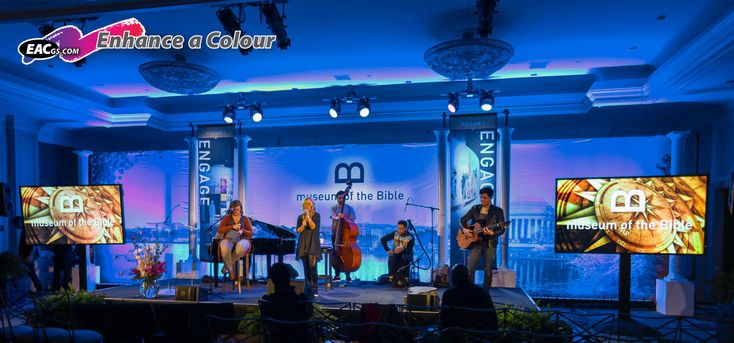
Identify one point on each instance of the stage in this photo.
(356, 292)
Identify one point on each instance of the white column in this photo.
(82, 163)
(503, 184)
(505, 277)
(243, 142)
(679, 164)
(444, 201)
(674, 294)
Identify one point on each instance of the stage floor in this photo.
(357, 292)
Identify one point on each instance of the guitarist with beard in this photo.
(478, 217)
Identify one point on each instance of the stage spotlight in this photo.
(363, 107)
(335, 108)
(231, 23)
(256, 112)
(486, 101)
(276, 24)
(453, 102)
(229, 114)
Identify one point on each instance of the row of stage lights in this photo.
(486, 100)
(230, 112)
(486, 104)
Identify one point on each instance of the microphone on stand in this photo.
(168, 216)
(407, 201)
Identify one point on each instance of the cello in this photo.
(346, 256)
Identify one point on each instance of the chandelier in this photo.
(179, 77)
(469, 57)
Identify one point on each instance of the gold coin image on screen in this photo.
(72, 215)
(646, 215)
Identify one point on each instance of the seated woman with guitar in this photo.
(480, 228)
(235, 230)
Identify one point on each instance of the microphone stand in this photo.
(168, 291)
(433, 229)
(214, 258)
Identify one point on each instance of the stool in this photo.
(238, 267)
(327, 276)
(245, 274)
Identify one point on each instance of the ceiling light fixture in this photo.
(363, 103)
(486, 100)
(179, 76)
(364, 107)
(471, 57)
(453, 105)
(276, 23)
(256, 112)
(229, 114)
(232, 22)
(335, 108)
(486, 97)
(255, 108)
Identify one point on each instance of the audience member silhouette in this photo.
(284, 304)
(466, 305)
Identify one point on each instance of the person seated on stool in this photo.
(235, 231)
(401, 254)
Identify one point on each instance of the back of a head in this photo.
(280, 275)
(459, 274)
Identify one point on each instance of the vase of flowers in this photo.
(149, 267)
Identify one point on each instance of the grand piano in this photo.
(267, 239)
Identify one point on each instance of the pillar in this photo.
(674, 293)
(444, 196)
(505, 277)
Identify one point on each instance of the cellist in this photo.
(336, 214)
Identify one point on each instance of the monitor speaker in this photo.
(299, 286)
(6, 206)
(422, 297)
(190, 293)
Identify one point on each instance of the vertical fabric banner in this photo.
(215, 163)
(473, 158)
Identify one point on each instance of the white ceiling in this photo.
(594, 53)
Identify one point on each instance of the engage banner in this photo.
(473, 143)
(215, 163)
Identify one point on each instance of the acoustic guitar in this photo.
(466, 239)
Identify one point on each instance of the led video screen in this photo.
(73, 214)
(639, 215)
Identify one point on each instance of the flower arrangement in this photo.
(149, 268)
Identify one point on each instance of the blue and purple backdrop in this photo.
(154, 182)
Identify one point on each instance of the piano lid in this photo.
(264, 230)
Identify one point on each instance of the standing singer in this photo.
(236, 231)
(309, 243)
